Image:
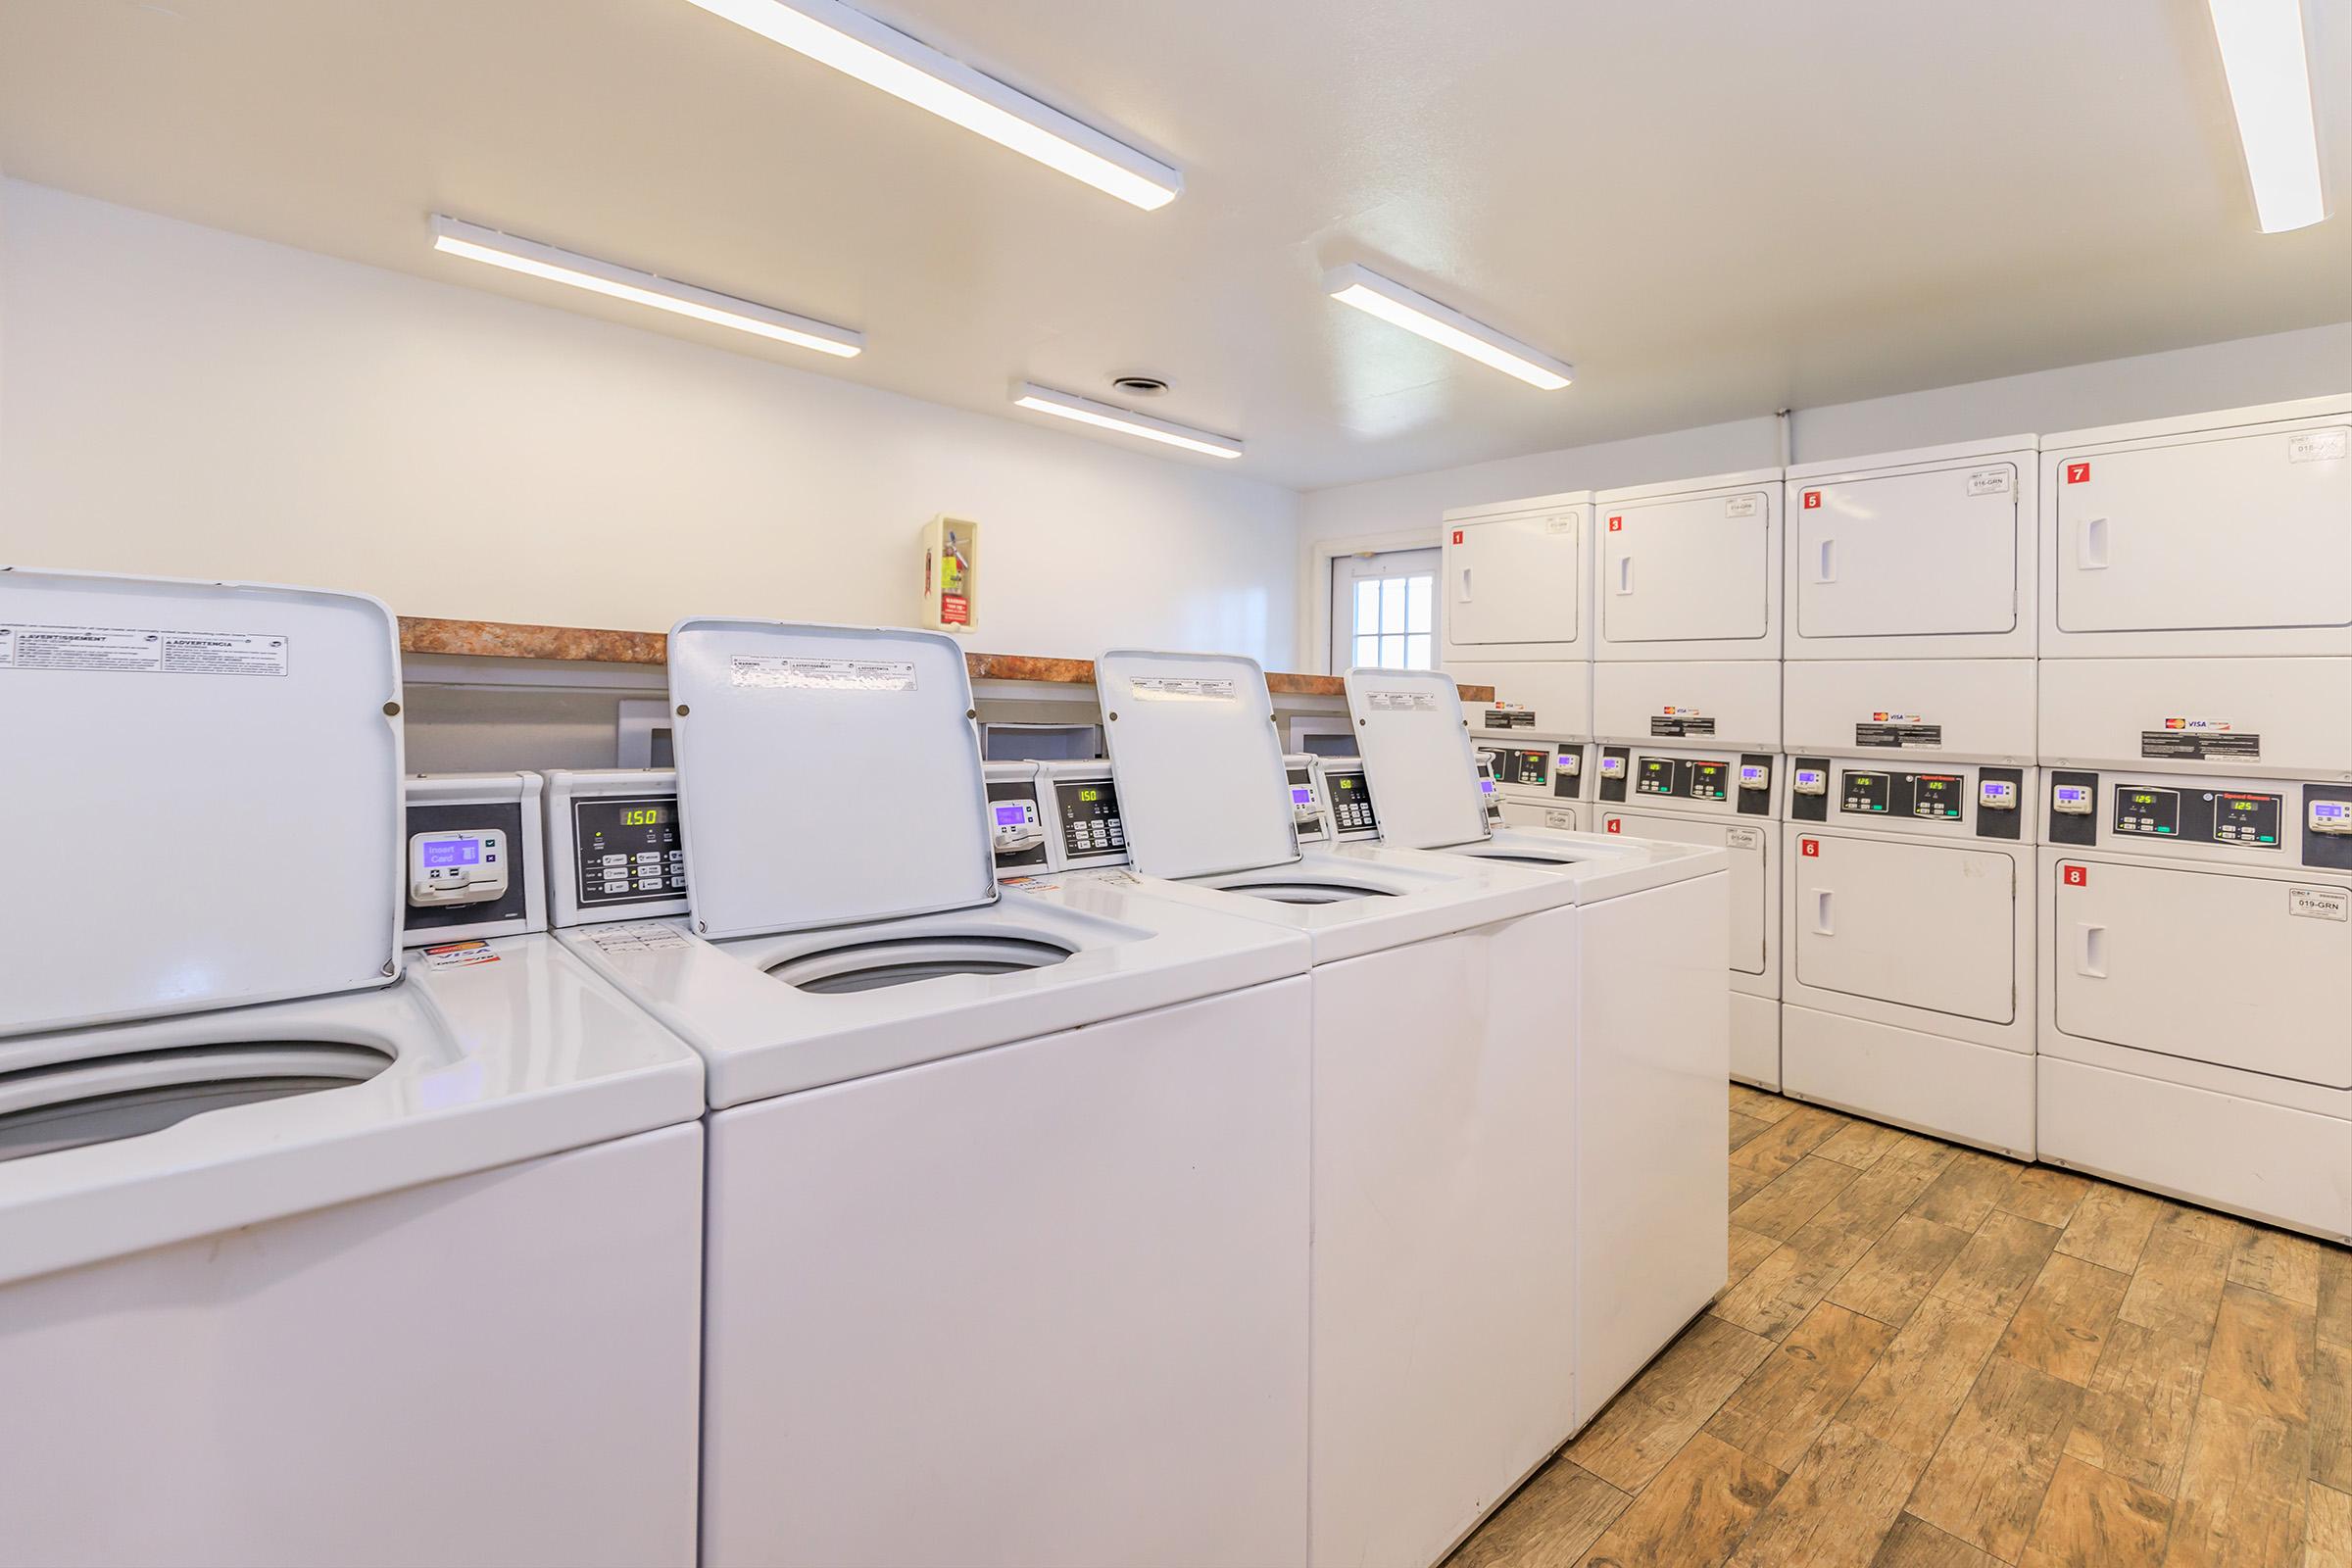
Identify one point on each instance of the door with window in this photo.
(1384, 610)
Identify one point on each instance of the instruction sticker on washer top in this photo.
(1183, 689)
(2318, 904)
(638, 936)
(1989, 482)
(141, 651)
(1402, 702)
(2316, 446)
(1741, 507)
(780, 673)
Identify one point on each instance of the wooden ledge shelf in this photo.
(504, 639)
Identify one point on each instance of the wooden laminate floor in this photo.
(1930, 1358)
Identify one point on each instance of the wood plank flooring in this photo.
(1931, 1357)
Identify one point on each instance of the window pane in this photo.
(1367, 652)
(1367, 605)
(1416, 651)
(1391, 653)
(1416, 614)
(1392, 604)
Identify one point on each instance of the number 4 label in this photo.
(1615, 825)
(2077, 876)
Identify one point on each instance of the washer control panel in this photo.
(1350, 801)
(1306, 801)
(1092, 828)
(1016, 820)
(627, 850)
(456, 865)
(1487, 794)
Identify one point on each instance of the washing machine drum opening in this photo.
(1294, 889)
(72, 1105)
(902, 960)
(1520, 858)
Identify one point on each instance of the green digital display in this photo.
(1089, 795)
(645, 817)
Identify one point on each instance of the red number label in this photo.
(2077, 474)
(1457, 536)
(1811, 848)
(1617, 524)
(1812, 499)
(2078, 876)
(1614, 824)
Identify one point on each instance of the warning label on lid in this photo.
(2192, 743)
(1183, 689)
(142, 650)
(1402, 702)
(774, 674)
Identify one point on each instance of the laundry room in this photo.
(883, 784)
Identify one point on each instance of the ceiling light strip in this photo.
(881, 56)
(1399, 305)
(1103, 415)
(2270, 87)
(477, 243)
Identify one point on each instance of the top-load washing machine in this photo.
(310, 1250)
(1517, 613)
(1647, 1017)
(1444, 1273)
(1686, 706)
(1907, 917)
(1009, 1189)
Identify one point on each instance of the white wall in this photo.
(186, 402)
(2216, 375)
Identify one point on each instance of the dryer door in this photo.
(1908, 553)
(2205, 965)
(1923, 925)
(1516, 579)
(1750, 888)
(1678, 570)
(2221, 532)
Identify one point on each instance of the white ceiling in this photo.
(1714, 208)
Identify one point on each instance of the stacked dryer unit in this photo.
(1518, 616)
(1907, 922)
(2196, 880)
(1686, 706)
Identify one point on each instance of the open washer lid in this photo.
(1198, 762)
(831, 774)
(203, 796)
(1416, 753)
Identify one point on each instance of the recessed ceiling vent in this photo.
(1139, 386)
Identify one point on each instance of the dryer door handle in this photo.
(2090, 949)
(1461, 594)
(2090, 546)
(1625, 574)
(1827, 572)
(1822, 926)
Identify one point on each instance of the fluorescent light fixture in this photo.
(855, 44)
(2269, 84)
(1399, 305)
(477, 243)
(1086, 411)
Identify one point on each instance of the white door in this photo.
(2218, 532)
(1909, 553)
(1515, 579)
(1384, 610)
(1687, 571)
(1747, 844)
(2205, 965)
(1919, 925)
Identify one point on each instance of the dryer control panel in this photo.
(1739, 783)
(1977, 802)
(2281, 823)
